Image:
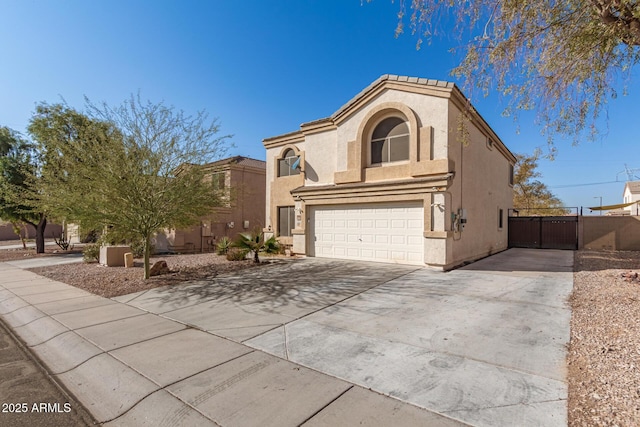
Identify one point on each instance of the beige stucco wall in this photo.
(621, 233)
(51, 231)
(481, 187)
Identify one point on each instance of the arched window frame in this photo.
(387, 149)
(283, 162)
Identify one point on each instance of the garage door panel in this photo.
(414, 240)
(382, 239)
(380, 232)
(415, 224)
(397, 240)
(415, 257)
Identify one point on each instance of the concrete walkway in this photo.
(133, 365)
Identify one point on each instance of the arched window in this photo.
(390, 141)
(289, 164)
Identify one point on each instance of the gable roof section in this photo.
(446, 87)
(633, 186)
(438, 88)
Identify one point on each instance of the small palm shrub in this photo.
(255, 243)
(223, 245)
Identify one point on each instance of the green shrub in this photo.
(137, 248)
(223, 245)
(236, 254)
(271, 246)
(91, 253)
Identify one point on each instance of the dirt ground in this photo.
(603, 355)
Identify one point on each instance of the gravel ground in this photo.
(604, 353)
(114, 281)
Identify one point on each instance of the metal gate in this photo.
(543, 232)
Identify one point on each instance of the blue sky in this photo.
(263, 68)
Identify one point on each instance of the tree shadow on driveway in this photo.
(304, 284)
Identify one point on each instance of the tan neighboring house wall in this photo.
(51, 231)
(441, 178)
(244, 184)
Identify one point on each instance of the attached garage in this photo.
(369, 232)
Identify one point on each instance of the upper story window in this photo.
(218, 180)
(390, 141)
(288, 165)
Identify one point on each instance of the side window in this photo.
(390, 141)
(510, 174)
(288, 165)
(218, 179)
(500, 218)
(286, 220)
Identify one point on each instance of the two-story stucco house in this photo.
(388, 178)
(242, 181)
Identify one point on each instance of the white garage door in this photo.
(375, 232)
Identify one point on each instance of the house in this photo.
(243, 182)
(388, 178)
(631, 194)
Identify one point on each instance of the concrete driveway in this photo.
(484, 344)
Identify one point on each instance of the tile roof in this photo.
(240, 160)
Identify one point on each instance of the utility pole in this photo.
(600, 197)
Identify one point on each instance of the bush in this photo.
(271, 246)
(91, 253)
(236, 254)
(223, 245)
(137, 248)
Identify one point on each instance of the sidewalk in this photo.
(131, 367)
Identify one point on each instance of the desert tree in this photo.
(565, 59)
(18, 165)
(529, 193)
(137, 171)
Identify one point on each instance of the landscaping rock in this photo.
(159, 268)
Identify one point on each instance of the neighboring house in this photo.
(631, 194)
(243, 181)
(387, 178)
(28, 231)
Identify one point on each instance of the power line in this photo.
(584, 185)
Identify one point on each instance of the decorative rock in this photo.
(159, 268)
(128, 260)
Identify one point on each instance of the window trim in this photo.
(512, 169)
(290, 216)
(281, 158)
(389, 139)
